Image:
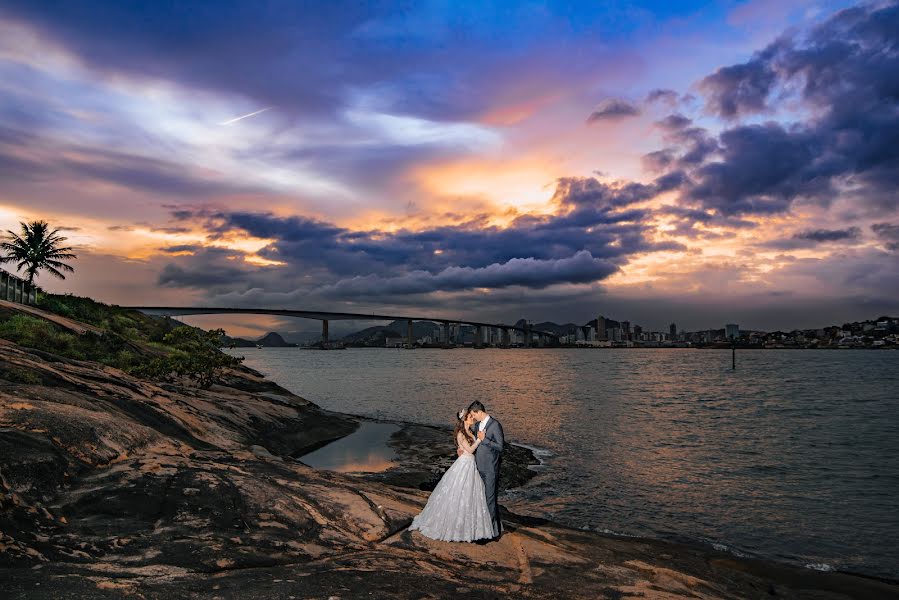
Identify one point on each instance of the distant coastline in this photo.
(878, 333)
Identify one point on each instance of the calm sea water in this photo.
(793, 456)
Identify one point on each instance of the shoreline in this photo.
(114, 486)
(418, 459)
(584, 347)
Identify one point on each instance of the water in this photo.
(363, 451)
(793, 456)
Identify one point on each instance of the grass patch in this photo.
(150, 347)
(33, 332)
(130, 324)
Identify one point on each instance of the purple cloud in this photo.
(613, 110)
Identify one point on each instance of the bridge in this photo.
(326, 317)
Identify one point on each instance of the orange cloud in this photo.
(526, 185)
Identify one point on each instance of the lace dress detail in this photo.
(457, 509)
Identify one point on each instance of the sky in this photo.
(658, 162)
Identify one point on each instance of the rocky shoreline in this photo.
(113, 486)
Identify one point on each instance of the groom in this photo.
(488, 457)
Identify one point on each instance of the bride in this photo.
(457, 509)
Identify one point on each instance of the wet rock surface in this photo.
(112, 487)
(425, 453)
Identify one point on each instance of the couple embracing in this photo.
(463, 507)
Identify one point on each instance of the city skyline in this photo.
(724, 162)
(601, 329)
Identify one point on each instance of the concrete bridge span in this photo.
(325, 317)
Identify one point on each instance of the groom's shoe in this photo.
(482, 541)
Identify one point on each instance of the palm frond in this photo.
(60, 265)
(37, 248)
(54, 272)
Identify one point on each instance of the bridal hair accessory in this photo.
(461, 414)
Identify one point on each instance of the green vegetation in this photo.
(196, 356)
(108, 348)
(38, 248)
(130, 324)
(152, 347)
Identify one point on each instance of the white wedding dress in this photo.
(457, 509)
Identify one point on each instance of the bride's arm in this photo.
(463, 443)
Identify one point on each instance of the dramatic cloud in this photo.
(850, 145)
(434, 156)
(888, 233)
(675, 122)
(815, 237)
(668, 97)
(424, 59)
(525, 272)
(829, 235)
(612, 110)
(738, 89)
(593, 221)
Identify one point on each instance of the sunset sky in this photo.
(692, 162)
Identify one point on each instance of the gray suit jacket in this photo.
(489, 452)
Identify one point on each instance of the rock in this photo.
(118, 487)
(261, 452)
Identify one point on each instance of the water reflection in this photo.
(363, 451)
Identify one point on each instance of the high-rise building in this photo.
(672, 332)
(625, 330)
(731, 331)
(601, 328)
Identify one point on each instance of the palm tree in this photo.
(37, 248)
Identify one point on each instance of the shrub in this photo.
(130, 340)
(195, 356)
(19, 375)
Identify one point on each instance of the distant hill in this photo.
(274, 340)
(269, 340)
(228, 341)
(555, 328)
(376, 336)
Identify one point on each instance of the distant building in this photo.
(731, 331)
(672, 332)
(395, 342)
(625, 330)
(601, 333)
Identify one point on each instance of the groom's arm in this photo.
(495, 444)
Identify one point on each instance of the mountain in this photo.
(274, 340)
(233, 342)
(555, 328)
(376, 336)
(269, 340)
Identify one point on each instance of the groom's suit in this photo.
(488, 457)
